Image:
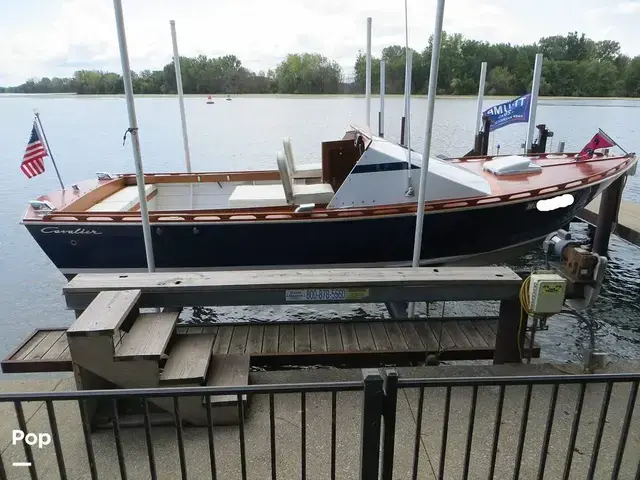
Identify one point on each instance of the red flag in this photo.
(599, 140)
(33, 159)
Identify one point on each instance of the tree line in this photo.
(573, 66)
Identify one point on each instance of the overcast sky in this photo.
(56, 37)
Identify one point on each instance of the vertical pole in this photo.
(368, 75)
(389, 425)
(560, 147)
(372, 404)
(408, 68)
(510, 335)
(483, 78)
(607, 215)
(535, 89)
(183, 117)
(431, 100)
(382, 92)
(46, 142)
(407, 115)
(133, 129)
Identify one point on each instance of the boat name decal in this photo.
(70, 231)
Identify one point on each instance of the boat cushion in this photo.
(511, 165)
(308, 170)
(319, 193)
(123, 200)
(244, 196)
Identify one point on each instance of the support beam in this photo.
(607, 215)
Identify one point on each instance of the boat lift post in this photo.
(431, 101)
(367, 87)
(407, 114)
(382, 91)
(133, 130)
(535, 89)
(483, 78)
(183, 117)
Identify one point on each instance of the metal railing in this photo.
(485, 427)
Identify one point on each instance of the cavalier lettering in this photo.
(70, 231)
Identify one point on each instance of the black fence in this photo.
(381, 426)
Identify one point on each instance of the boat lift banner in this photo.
(513, 111)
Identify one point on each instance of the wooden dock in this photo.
(113, 342)
(353, 343)
(628, 225)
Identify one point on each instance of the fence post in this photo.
(390, 401)
(373, 397)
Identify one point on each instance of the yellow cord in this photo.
(524, 302)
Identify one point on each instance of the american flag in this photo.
(33, 160)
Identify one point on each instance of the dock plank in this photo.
(411, 336)
(105, 313)
(188, 360)
(286, 339)
(426, 336)
(334, 337)
(270, 339)
(472, 334)
(395, 336)
(442, 337)
(43, 346)
(365, 339)
(302, 341)
(254, 340)
(458, 336)
(228, 371)
(318, 339)
(223, 340)
(380, 337)
(486, 332)
(148, 337)
(57, 348)
(349, 339)
(30, 344)
(239, 339)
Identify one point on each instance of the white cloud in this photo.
(66, 35)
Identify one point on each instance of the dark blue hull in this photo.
(450, 234)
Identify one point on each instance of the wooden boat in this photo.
(350, 209)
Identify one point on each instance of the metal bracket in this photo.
(591, 291)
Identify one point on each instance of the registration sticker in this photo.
(326, 294)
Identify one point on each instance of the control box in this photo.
(546, 293)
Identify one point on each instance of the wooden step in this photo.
(105, 313)
(228, 370)
(148, 337)
(188, 360)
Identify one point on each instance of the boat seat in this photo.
(286, 193)
(123, 200)
(305, 170)
(298, 194)
(244, 196)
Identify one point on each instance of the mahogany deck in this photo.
(353, 343)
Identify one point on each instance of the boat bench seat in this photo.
(286, 193)
(244, 196)
(123, 200)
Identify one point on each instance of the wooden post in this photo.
(607, 215)
(507, 338)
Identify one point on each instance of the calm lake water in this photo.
(85, 134)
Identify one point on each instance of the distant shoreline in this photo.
(222, 96)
